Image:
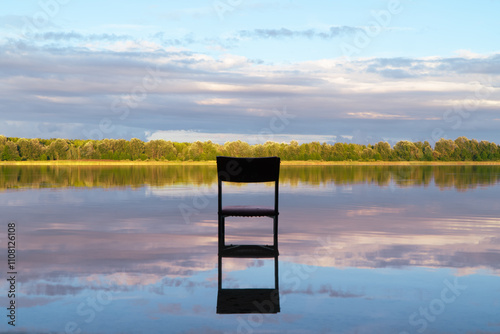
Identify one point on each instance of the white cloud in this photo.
(368, 114)
(216, 101)
(124, 46)
(221, 138)
(468, 54)
(328, 97)
(63, 99)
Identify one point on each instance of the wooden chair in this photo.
(248, 170)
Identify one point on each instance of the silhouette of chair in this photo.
(248, 170)
(248, 300)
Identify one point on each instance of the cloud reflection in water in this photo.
(344, 255)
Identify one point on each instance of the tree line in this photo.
(460, 149)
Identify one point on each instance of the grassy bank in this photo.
(285, 163)
(103, 163)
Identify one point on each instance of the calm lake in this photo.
(363, 249)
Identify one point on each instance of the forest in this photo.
(460, 149)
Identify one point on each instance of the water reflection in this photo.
(356, 255)
(458, 177)
(234, 299)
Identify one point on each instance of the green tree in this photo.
(136, 148)
(10, 151)
(428, 152)
(105, 148)
(292, 151)
(88, 151)
(488, 151)
(58, 150)
(326, 152)
(24, 149)
(160, 149)
(406, 150)
(310, 151)
(36, 149)
(367, 154)
(29, 149)
(353, 151)
(338, 152)
(384, 149)
(446, 149)
(3, 140)
(210, 150)
(169, 151)
(467, 150)
(239, 149)
(195, 151)
(121, 150)
(271, 148)
(259, 151)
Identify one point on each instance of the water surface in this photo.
(363, 249)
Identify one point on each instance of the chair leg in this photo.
(221, 233)
(275, 233)
(220, 272)
(276, 273)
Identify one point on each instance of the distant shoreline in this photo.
(212, 162)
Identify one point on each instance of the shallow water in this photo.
(362, 250)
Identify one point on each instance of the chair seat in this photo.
(248, 211)
(249, 251)
(231, 301)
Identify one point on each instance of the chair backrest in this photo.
(231, 169)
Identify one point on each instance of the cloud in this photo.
(467, 63)
(181, 41)
(216, 101)
(172, 308)
(323, 290)
(73, 36)
(222, 137)
(372, 115)
(327, 289)
(231, 41)
(334, 31)
(53, 289)
(472, 64)
(78, 244)
(178, 94)
(395, 73)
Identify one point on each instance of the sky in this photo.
(252, 70)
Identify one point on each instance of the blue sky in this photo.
(360, 71)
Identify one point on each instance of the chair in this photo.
(248, 170)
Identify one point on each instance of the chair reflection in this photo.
(248, 300)
(248, 170)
